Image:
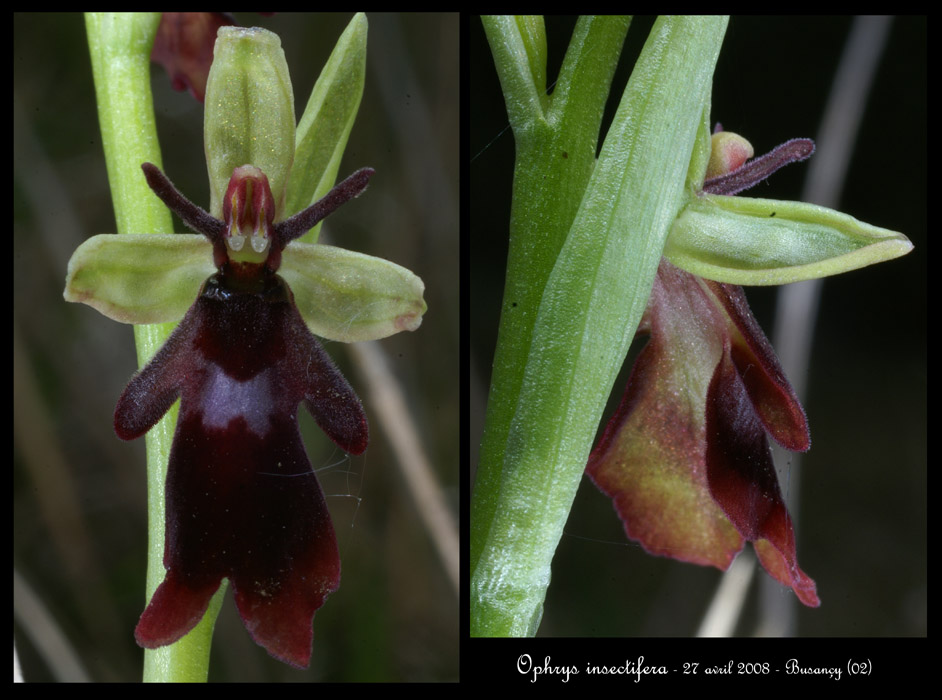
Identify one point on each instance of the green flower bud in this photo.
(249, 112)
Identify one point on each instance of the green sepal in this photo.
(139, 278)
(327, 120)
(347, 296)
(249, 117)
(748, 241)
(342, 295)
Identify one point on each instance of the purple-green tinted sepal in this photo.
(685, 457)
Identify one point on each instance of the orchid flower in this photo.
(685, 457)
(590, 229)
(242, 500)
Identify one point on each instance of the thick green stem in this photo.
(541, 214)
(586, 239)
(120, 46)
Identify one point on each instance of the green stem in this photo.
(585, 241)
(120, 46)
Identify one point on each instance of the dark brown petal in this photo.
(772, 395)
(743, 481)
(758, 169)
(650, 459)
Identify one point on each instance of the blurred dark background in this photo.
(862, 532)
(79, 492)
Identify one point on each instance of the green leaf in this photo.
(139, 278)
(519, 48)
(748, 241)
(348, 296)
(532, 32)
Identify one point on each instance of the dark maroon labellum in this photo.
(242, 500)
(686, 458)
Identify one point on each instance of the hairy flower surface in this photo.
(242, 500)
(685, 458)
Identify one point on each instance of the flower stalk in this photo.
(574, 296)
(120, 46)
